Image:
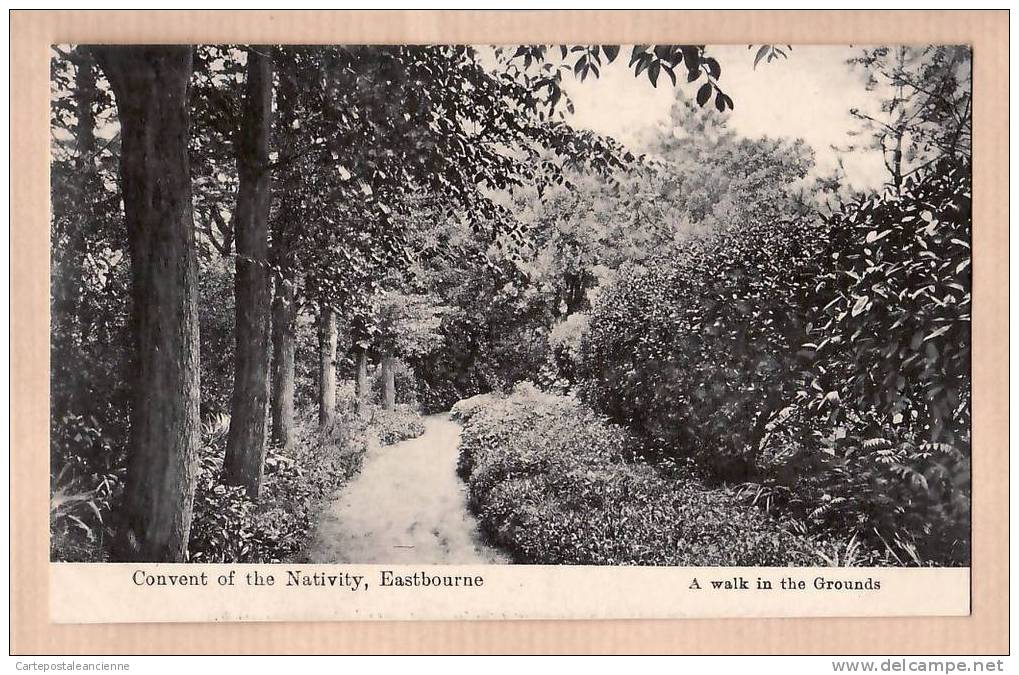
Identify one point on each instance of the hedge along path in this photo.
(406, 506)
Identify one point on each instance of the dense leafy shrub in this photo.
(223, 528)
(553, 483)
(564, 342)
(393, 426)
(85, 483)
(444, 382)
(80, 509)
(463, 410)
(894, 331)
(229, 527)
(906, 503)
(698, 351)
(89, 304)
(879, 441)
(830, 368)
(90, 399)
(216, 327)
(437, 396)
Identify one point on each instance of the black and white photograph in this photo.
(659, 305)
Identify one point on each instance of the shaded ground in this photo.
(406, 506)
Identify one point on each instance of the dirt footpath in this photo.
(406, 506)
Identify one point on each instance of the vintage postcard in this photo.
(384, 316)
(471, 326)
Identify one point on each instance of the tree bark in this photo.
(246, 441)
(361, 381)
(85, 94)
(284, 308)
(388, 383)
(326, 366)
(284, 342)
(150, 84)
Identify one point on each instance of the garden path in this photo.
(406, 506)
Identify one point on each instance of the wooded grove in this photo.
(696, 350)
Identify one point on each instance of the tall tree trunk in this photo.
(84, 99)
(326, 366)
(150, 84)
(85, 94)
(246, 442)
(361, 380)
(284, 307)
(388, 382)
(284, 317)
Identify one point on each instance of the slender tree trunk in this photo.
(246, 442)
(284, 307)
(84, 98)
(326, 366)
(284, 342)
(361, 381)
(150, 84)
(897, 160)
(388, 383)
(85, 94)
